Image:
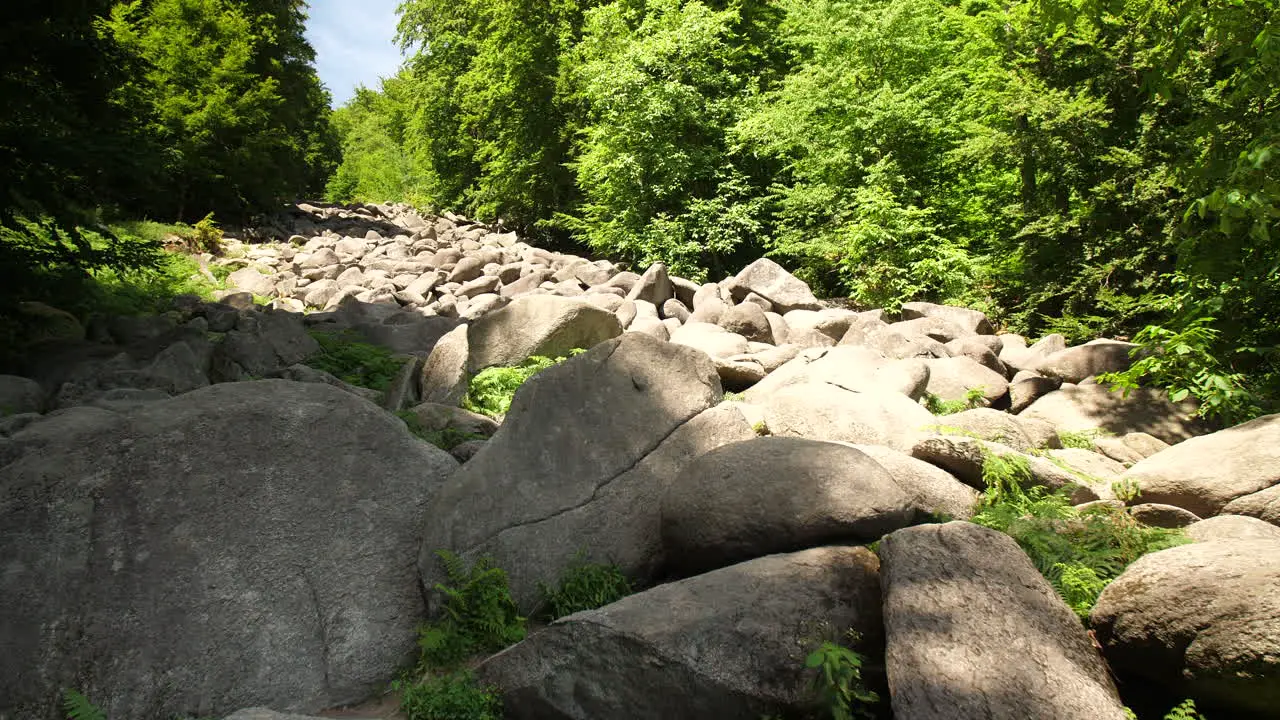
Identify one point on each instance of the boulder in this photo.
(710, 339)
(1130, 447)
(769, 280)
(776, 494)
(262, 344)
(1080, 408)
(444, 375)
(726, 644)
(1264, 505)
(747, 320)
(978, 349)
(544, 325)
(231, 547)
(850, 368)
(961, 601)
(1201, 620)
(20, 395)
(580, 464)
(966, 458)
(971, 321)
(1206, 473)
(933, 491)
(738, 375)
(1083, 361)
(1023, 435)
(654, 286)
(1101, 469)
(935, 328)
(1233, 527)
(1027, 387)
(308, 374)
(832, 322)
(952, 379)
(875, 334)
(1165, 516)
(821, 411)
(459, 424)
(1015, 353)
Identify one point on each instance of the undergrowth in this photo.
(479, 614)
(78, 707)
(1081, 440)
(453, 696)
(446, 438)
(491, 391)
(973, 398)
(1078, 551)
(354, 361)
(1185, 710)
(839, 681)
(585, 586)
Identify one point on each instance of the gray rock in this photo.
(444, 375)
(673, 308)
(831, 322)
(273, 563)
(738, 375)
(265, 714)
(727, 644)
(1201, 620)
(1233, 527)
(935, 328)
(1204, 474)
(20, 395)
(821, 411)
(776, 494)
(1130, 447)
(538, 325)
(307, 374)
(747, 320)
(710, 339)
(653, 286)
(978, 349)
(1020, 434)
(1083, 361)
(709, 311)
(437, 418)
(1015, 353)
(262, 344)
(933, 491)
(402, 391)
(878, 336)
(769, 280)
(966, 458)
(952, 379)
(1264, 505)
(580, 463)
(960, 600)
(1165, 516)
(850, 368)
(468, 268)
(650, 326)
(1027, 387)
(1080, 408)
(970, 320)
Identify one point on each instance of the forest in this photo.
(1087, 167)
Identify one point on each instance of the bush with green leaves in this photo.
(973, 398)
(585, 586)
(1078, 551)
(345, 356)
(1082, 439)
(479, 614)
(839, 681)
(491, 390)
(453, 696)
(1185, 710)
(78, 707)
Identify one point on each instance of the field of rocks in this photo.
(196, 520)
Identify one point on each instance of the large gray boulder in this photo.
(821, 411)
(973, 631)
(1204, 474)
(1083, 361)
(20, 395)
(1202, 620)
(967, 458)
(933, 491)
(580, 464)
(952, 378)
(231, 547)
(1080, 408)
(851, 368)
(726, 644)
(769, 280)
(1021, 434)
(971, 320)
(1264, 505)
(545, 325)
(776, 494)
(1233, 527)
(444, 374)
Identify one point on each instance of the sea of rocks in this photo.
(195, 521)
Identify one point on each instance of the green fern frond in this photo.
(78, 707)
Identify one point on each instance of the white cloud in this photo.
(354, 43)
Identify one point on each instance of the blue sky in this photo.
(353, 42)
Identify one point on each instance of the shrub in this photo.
(491, 391)
(585, 586)
(1078, 552)
(479, 614)
(346, 357)
(1082, 440)
(973, 398)
(78, 707)
(455, 696)
(839, 681)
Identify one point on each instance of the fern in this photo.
(491, 391)
(78, 707)
(585, 586)
(1078, 552)
(479, 614)
(973, 398)
(839, 681)
(449, 697)
(349, 359)
(1082, 440)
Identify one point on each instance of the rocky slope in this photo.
(194, 521)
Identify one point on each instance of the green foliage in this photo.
(973, 398)
(491, 390)
(1186, 710)
(351, 360)
(1079, 552)
(455, 696)
(585, 586)
(1126, 490)
(839, 681)
(479, 614)
(78, 707)
(1080, 440)
(446, 438)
